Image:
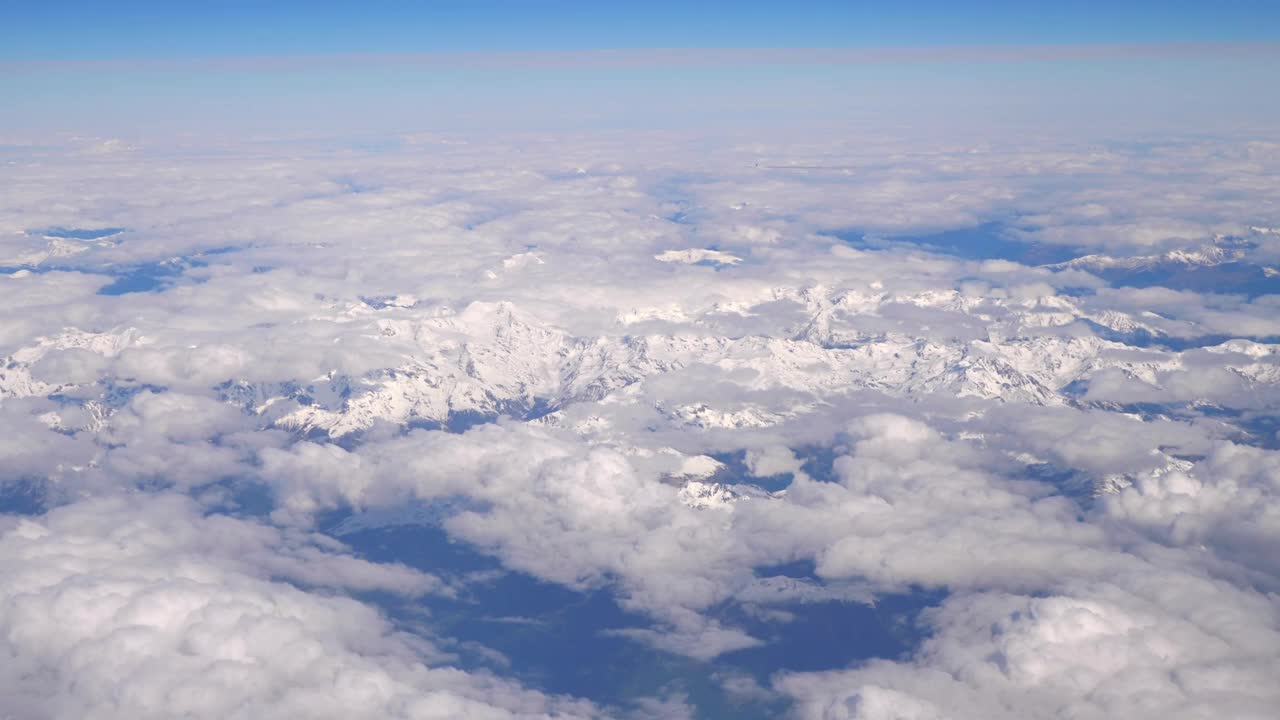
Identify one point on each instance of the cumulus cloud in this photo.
(1112, 629)
(719, 387)
(144, 607)
(1229, 501)
(1154, 645)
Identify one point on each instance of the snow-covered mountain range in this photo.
(487, 360)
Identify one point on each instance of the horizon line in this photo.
(677, 56)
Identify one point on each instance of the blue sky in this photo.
(160, 29)
(137, 67)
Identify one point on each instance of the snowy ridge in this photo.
(719, 496)
(1223, 249)
(494, 359)
(15, 370)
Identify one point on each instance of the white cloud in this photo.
(913, 396)
(140, 607)
(1154, 644)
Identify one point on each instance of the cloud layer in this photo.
(726, 383)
